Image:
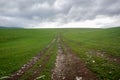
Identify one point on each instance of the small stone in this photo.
(39, 65)
(4, 77)
(110, 72)
(78, 78)
(85, 72)
(93, 61)
(35, 71)
(17, 74)
(40, 77)
(115, 59)
(63, 78)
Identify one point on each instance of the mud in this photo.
(30, 63)
(41, 67)
(106, 56)
(99, 53)
(69, 67)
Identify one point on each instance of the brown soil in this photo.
(99, 53)
(69, 67)
(38, 70)
(30, 64)
(106, 56)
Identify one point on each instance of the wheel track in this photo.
(30, 63)
(37, 71)
(103, 54)
(69, 67)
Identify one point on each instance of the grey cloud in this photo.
(91, 8)
(27, 12)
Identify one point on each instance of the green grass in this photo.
(46, 70)
(17, 46)
(50, 65)
(104, 40)
(100, 39)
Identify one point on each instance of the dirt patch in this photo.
(99, 53)
(69, 67)
(27, 66)
(106, 56)
(38, 70)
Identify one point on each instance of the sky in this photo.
(60, 13)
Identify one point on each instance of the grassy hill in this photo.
(17, 46)
(99, 49)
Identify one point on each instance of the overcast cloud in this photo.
(59, 13)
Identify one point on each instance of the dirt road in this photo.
(69, 67)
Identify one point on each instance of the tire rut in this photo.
(109, 58)
(29, 64)
(69, 67)
(103, 54)
(37, 71)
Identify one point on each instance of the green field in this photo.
(18, 46)
(88, 42)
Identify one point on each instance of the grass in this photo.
(17, 46)
(103, 40)
(46, 70)
(50, 65)
(107, 40)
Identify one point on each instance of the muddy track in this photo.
(69, 67)
(30, 63)
(38, 70)
(99, 53)
(109, 58)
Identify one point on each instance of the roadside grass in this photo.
(107, 40)
(47, 67)
(17, 46)
(97, 39)
(47, 72)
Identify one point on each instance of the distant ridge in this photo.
(4, 27)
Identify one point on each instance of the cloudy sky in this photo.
(59, 13)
